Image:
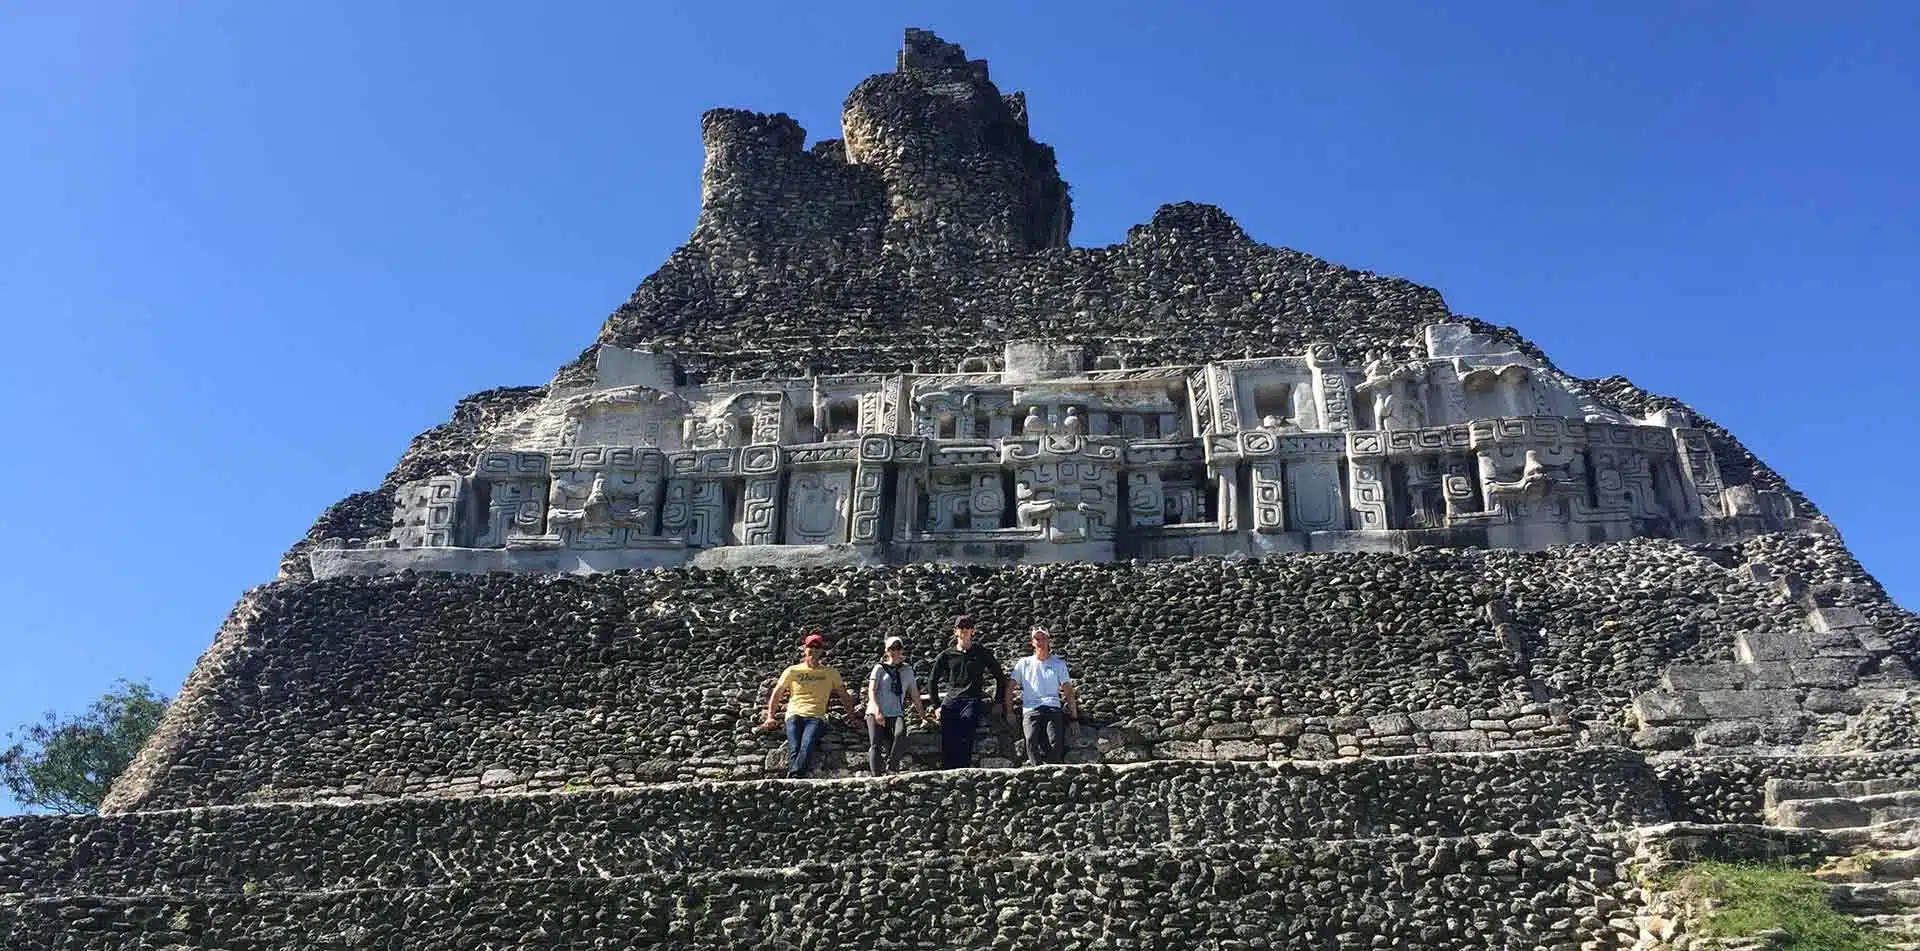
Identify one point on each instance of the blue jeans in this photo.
(959, 719)
(803, 734)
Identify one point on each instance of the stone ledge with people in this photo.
(968, 693)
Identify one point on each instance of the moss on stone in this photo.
(1789, 905)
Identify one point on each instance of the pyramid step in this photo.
(1897, 866)
(1784, 790)
(689, 828)
(1847, 812)
(1900, 924)
(1877, 897)
(1895, 836)
(1394, 893)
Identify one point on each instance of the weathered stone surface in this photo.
(1756, 646)
(448, 676)
(877, 388)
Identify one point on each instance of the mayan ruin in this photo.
(1389, 632)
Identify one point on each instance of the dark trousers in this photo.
(803, 734)
(1046, 729)
(886, 744)
(959, 720)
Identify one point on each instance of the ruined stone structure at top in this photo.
(882, 350)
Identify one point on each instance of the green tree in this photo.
(66, 764)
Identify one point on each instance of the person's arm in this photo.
(773, 701)
(846, 701)
(933, 685)
(1070, 697)
(873, 695)
(1001, 685)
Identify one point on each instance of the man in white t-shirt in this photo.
(1049, 702)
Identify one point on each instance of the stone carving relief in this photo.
(1146, 456)
(425, 516)
(817, 507)
(628, 416)
(514, 485)
(1065, 487)
(603, 497)
(1396, 390)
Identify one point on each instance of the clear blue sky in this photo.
(250, 249)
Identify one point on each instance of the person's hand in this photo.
(879, 719)
(933, 716)
(1073, 728)
(769, 722)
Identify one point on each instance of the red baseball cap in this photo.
(813, 640)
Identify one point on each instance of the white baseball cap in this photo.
(895, 641)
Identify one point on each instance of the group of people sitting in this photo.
(956, 699)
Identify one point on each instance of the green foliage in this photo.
(67, 763)
(1746, 899)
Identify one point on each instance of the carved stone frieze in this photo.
(1066, 486)
(1470, 434)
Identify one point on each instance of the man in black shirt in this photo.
(958, 691)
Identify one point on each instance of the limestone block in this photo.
(1742, 500)
(1315, 746)
(1390, 724)
(1445, 718)
(1837, 643)
(1030, 360)
(1826, 672)
(1736, 733)
(1664, 738)
(1822, 700)
(1658, 708)
(1782, 790)
(1284, 728)
(1721, 676)
(1184, 749)
(1461, 741)
(1228, 731)
(618, 366)
(1750, 646)
(1837, 618)
(1822, 814)
(1749, 704)
(1239, 749)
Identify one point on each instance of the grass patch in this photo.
(1746, 899)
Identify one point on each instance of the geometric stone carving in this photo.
(1150, 456)
(1269, 496)
(818, 502)
(604, 497)
(427, 513)
(514, 485)
(1066, 486)
(1330, 380)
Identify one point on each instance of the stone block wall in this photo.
(1732, 788)
(705, 827)
(1483, 892)
(409, 685)
(1468, 851)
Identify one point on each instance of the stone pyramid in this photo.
(1392, 634)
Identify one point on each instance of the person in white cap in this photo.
(891, 688)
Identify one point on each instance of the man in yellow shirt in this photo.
(807, 687)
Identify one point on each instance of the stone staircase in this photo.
(1781, 688)
(1435, 851)
(1872, 828)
